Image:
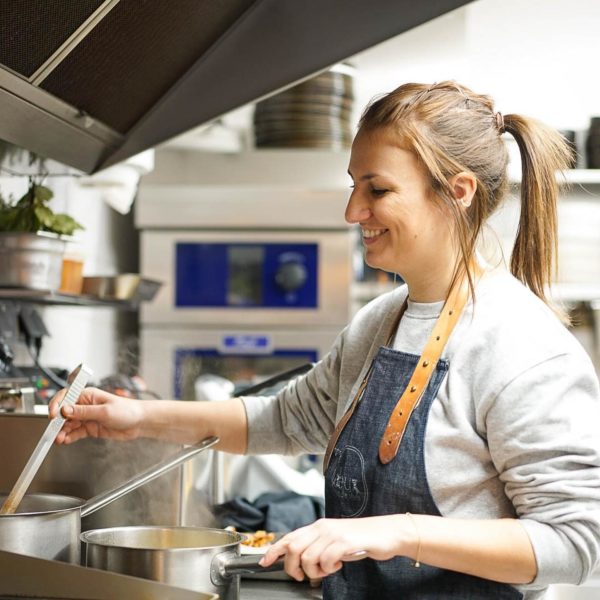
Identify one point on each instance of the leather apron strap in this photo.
(419, 380)
(346, 417)
(418, 383)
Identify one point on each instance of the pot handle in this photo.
(225, 565)
(101, 500)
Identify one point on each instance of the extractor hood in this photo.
(92, 82)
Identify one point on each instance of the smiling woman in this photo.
(403, 227)
(457, 414)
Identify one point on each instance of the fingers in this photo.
(277, 550)
(310, 551)
(285, 547)
(322, 558)
(333, 555)
(54, 403)
(272, 554)
(84, 412)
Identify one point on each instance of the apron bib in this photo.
(359, 484)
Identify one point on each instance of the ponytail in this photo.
(544, 154)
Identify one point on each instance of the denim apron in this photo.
(358, 484)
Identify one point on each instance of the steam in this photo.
(169, 500)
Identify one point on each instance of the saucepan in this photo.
(48, 525)
(196, 558)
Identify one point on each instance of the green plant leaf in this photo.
(42, 193)
(26, 220)
(44, 215)
(7, 219)
(31, 214)
(64, 225)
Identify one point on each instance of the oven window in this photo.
(245, 275)
(243, 370)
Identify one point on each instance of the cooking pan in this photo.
(48, 525)
(196, 558)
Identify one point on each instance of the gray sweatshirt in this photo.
(513, 431)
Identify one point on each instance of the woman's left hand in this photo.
(319, 549)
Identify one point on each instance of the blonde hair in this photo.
(451, 130)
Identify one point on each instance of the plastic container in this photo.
(71, 281)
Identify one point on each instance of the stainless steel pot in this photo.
(196, 558)
(48, 525)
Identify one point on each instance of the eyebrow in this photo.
(364, 177)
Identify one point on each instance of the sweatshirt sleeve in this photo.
(544, 437)
(301, 417)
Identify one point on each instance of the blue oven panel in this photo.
(249, 275)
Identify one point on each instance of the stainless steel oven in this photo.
(255, 282)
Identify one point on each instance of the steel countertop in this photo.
(254, 589)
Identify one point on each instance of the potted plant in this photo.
(32, 240)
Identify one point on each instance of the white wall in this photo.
(536, 57)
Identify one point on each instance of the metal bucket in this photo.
(195, 558)
(31, 260)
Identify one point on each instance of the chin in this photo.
(382, 265)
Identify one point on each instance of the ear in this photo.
(464, 185)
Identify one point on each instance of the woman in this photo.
(458, 414)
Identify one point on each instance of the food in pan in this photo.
(258, 539)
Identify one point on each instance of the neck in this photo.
(432, 286)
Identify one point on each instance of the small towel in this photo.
(273, 511)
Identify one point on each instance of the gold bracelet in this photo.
(417, 562)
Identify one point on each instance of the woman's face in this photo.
(405, 228)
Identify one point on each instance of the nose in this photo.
(357, 210)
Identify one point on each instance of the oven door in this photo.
(172, 359)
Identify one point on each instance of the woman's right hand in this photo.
(98, 414)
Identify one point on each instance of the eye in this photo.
(378, 192)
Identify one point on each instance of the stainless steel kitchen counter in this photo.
(277, 590)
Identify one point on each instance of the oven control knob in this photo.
(291, 276)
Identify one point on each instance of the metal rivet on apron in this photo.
(425, 363)
(400, 413)
(413, 388)
(450, 312)
(437, 338)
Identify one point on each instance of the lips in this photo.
(371, 235)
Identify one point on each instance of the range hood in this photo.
(93, 82)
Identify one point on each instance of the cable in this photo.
(53, 377)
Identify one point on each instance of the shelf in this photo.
(583, 176)
(57, 299)
(575, 292)
(572, 176)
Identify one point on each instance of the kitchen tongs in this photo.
(77, 381)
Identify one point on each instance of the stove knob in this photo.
(291, 276)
